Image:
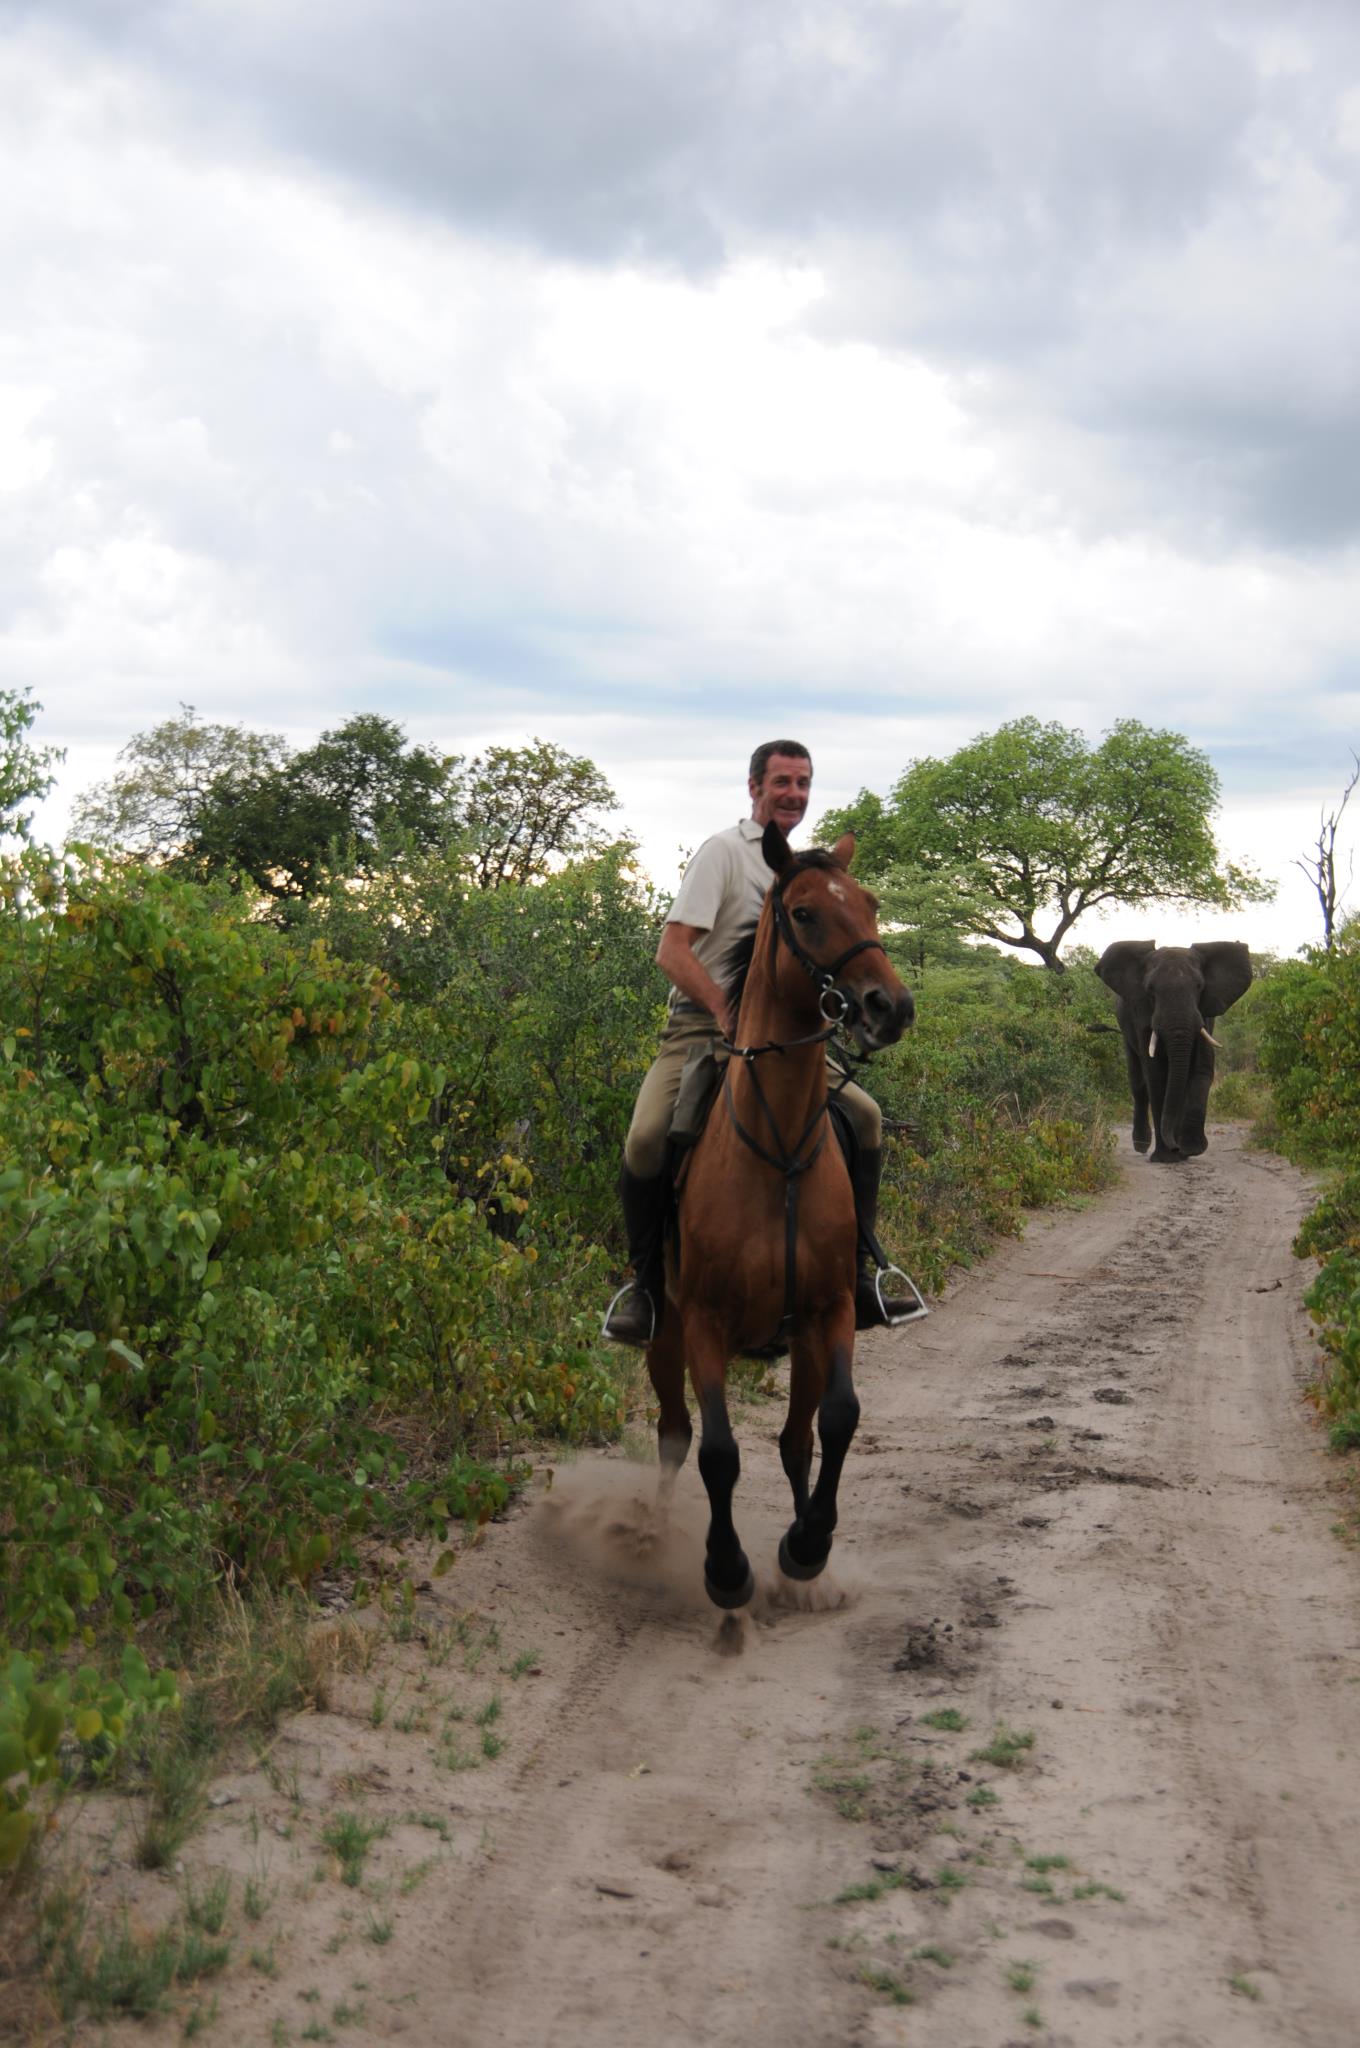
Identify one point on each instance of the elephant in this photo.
(1168, 998)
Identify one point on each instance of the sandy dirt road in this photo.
(1087, 1510)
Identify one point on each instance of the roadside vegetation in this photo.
(307, 1197)
(1310, 1052)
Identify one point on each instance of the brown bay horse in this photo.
(767, 1240)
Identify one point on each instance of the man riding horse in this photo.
(717, 908)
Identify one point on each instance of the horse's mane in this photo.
(740, 958)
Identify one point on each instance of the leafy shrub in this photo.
(1310, 1049)
(231, 1255)
(53, 1730)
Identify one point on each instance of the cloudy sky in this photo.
(656, 378)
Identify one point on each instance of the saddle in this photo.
(701, 1080)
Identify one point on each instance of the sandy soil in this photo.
(1087, 1507)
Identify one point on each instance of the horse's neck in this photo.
(793, 1083)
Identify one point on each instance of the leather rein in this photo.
(793, 1162)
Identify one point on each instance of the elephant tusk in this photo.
(1152, 1046)
(1205, 1032)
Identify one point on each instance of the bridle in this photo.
(793, 1162)
(825, 976)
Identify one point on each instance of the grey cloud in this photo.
(979, 182)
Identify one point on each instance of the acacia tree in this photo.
(1029, 826)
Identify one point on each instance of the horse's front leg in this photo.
(674, 1430)
(820, 1380)
(727, 1569)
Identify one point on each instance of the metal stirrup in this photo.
(911, 1315)
(627, 1288)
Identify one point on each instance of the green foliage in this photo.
(338, 803)
(541, 1003)
(1310, 1049)
(524, 807)
(73, 1724)
(1029, 823)
(1006, 1088)
(153, 807)
(25, 771)
(235, 1240)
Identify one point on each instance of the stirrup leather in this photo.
(911, 1315)
(630, 1287)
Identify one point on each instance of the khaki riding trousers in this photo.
(644, 1152)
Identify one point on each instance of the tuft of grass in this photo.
(207, 1910)
(1244, 1987)
(949, 1879)
(526, 1661)
(1005, 1750)
(870, 1888)
(379, 1932)
(199, 2018)
(846, 1786)
(434, 1821)
(350, 1838)
(255, 1898)
(1045, 1863)
(888, 1985)
(949, 1719)
(930, 1953)
(982, 1795)
(1021, 1976)
(1095, 1890)
(114, 1972)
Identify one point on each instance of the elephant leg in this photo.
(1138, 1088)
(1162, 1154)
(1193, 1140)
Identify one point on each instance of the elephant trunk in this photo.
(1180, 1053)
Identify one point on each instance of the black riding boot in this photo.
(634, 1315)
(870, 1311)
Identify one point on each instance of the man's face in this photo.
(783, 793)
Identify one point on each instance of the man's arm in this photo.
(675, 958)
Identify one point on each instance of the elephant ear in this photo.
(1122, 965)
(1226, 966)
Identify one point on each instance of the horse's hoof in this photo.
(789, 1565)
(731, 1596)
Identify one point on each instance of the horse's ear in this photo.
(776, 849)
(843, 852)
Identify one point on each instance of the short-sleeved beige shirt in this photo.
(722, 894)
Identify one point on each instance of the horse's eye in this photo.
(802, 916)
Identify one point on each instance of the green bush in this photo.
(1310, 1050)
(1005, 1088)
(231, 1255)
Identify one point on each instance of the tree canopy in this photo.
(208, 799)
(1028, 828)
(523, 806)
(153, 807)
(24, 770)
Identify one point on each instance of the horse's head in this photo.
(828, 926)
